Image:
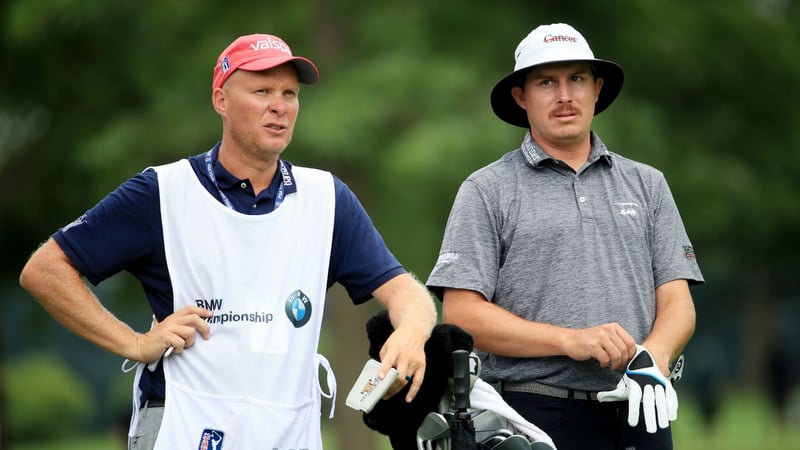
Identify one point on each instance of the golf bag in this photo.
(454, 409)
(473, 416)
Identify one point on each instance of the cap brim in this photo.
(506, 108)
(307, 72)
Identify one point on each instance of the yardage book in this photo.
(368, 389)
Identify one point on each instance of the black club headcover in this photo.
(394, 417)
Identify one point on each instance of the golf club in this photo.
(493, 441)
(433, 427)
(493, 438)
(515, 442)
(486, 422)
(462, 430)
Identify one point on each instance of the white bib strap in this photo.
(127, 367)
(330, 380)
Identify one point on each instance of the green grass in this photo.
(745, 422)
(85, 443)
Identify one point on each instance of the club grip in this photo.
(461, 380)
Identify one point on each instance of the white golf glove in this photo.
(643, 384)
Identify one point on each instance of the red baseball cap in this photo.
(256, 52)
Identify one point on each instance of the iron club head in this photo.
(515, 442)
(433, 427)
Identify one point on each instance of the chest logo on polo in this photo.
(298, 308)
(628, 209)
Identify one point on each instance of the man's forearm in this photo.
(674, 324)
(409, 303)
(59, 288)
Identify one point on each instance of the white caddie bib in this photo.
(254, 384)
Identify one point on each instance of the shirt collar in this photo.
(599, 150)
(535, 156)
(226, 180)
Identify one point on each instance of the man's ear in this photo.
(517, 93)
(598, 85)
(219, 100)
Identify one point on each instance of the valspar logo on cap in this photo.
(266, 44)
(263, 44)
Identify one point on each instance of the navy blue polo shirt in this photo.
(123, 232)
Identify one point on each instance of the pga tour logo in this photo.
(211, 440)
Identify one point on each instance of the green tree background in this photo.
(94, 92)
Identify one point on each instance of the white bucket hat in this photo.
(546, 44)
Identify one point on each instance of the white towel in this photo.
(484, 396)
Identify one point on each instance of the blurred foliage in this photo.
(402, 112)
(47, 399)
(97, 91)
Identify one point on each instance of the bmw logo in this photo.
(298, 308)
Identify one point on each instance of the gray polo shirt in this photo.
(569, 249)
